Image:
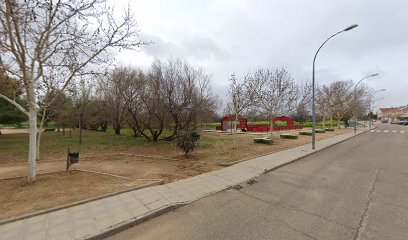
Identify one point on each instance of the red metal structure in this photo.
(267, 128)
(227, 123)
(288, 120)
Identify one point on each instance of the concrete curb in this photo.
(311, 153)
(228, 164)
(133, 222)
(13, 219)
(148, 216)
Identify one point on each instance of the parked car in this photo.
(384, 121)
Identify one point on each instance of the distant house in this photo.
(393, 113)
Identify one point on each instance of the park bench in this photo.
(288, 136)
(263, 140)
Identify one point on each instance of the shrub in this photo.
(187, 140)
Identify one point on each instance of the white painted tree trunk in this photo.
(32, 145)
(331, 120)
(324, 122)
(37, 150)
(235, 132)
(271, 126)
(39, 134)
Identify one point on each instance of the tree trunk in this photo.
(117, 131)
(80, 129)
(324, 122)
(331, 120)
(104, 126)
(271, 125)
(235, 132)
(39, 134)
(32, 145)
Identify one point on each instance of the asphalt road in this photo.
(357, 189)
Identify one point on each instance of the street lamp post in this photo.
(313, 84)
(355, 100)
(370, 109)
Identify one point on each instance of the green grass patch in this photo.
(319, 124)
(56, 142)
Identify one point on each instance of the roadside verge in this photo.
(106, 216)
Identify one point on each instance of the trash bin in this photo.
(73, 157)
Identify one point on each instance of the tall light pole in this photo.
(355, 99)
(313, 84)
(372, 94)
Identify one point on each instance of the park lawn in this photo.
(135, 159)
(214, 148)
(14, 147)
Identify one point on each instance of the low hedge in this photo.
(287, 136)
(305, 133)
(320, 131)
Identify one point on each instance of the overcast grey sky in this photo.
(229, 36)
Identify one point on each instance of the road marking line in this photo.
(378, 130)
(402, 131)
(385, 130)
(394, 131)
(372, 130)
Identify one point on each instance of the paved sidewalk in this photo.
(93, 219)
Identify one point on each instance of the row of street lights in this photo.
(313, 88)
(355, 100)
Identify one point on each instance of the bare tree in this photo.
(341, 98)
(186, 94)
(154, 116)
(242, 96)
(170, 94)
(82, 98)
(277, 92)
(323, 102)
(38, 36)
(112, 89)
(136, 80)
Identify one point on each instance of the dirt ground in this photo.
(134, 164)
(18, 197)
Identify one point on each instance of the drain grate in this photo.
(252, 181)
(237, 187)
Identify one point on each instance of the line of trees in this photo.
(339, 101)
(268, 93)
(55, 50)
(170, 95)
(47, 44)
(263, 94)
